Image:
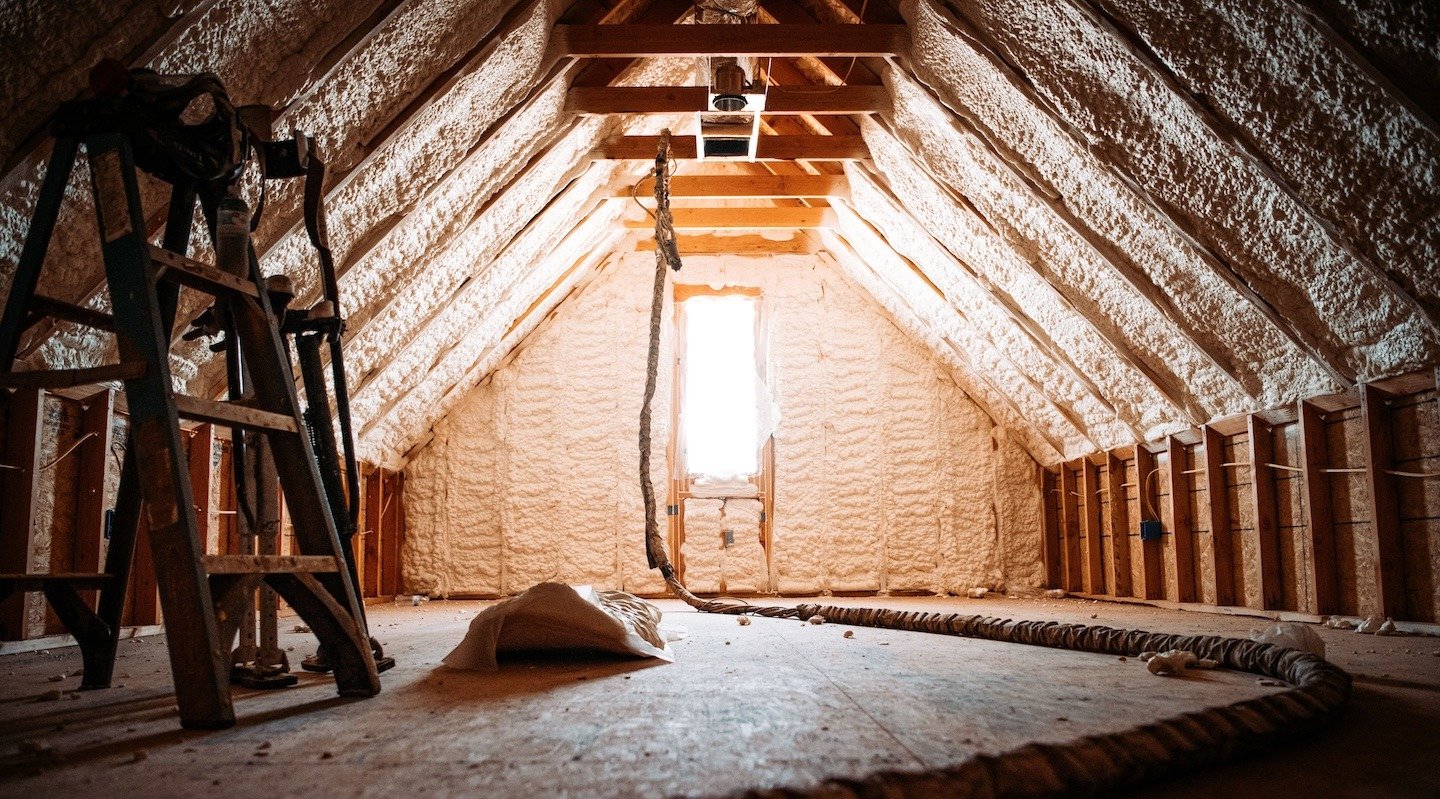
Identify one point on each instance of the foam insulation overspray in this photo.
(1132, 119)
(560, 425)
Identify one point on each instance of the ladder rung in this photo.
(59, 309)
(65, 378)
(198, 276)
(228, 413)
(10, 583)
(271, 564)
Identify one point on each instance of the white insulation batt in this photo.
(887, 475)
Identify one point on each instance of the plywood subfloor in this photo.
(775, 702)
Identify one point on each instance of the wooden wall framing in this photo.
(1328, 506)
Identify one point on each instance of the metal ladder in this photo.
(203, 597)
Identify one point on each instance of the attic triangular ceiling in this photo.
(1113, 220)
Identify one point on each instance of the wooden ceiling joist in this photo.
(771, 148)
(730, 187)
(690, 99)
(736, 245)
(643, 41)
(744, 219)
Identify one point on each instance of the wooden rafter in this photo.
(642, 41)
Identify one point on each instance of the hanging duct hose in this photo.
(1090, 766)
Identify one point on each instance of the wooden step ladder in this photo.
(202, 596)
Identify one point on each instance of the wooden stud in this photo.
(200, 454)
(142, 597)
(1262, 492)
(374, 501)
(1094, 573)
(23, 410)
(390, 537)
(769, 148)
(1050, 519)
(787, 100)
(1182, 532)
(1070, 529)
(1222, 543)
(1384, 503)
(1153, 586)
(643, 41)
(1319, 521)
(1119, 577)
(95, 458)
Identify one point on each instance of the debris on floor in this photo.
(816, 619)
(301, 628)
(977, 593)
(743, 621)
(1174, 661)
(849, 633)
(1055, 593)
(1291, 634)
(1374, 625)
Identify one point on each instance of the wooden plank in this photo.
(270, 564)
(744, 219)
(374, 501)
(199, 276)
(69, 378)
(736, 245)
(1120, 578)
(1222, 543)
(731, 187)
(1182, 533)
(1070, 530)
(1153, 585)
(770, 148)
(646, 40)
(230, 414)
(200, 453)
(1384, 504)
(1094, 573)
(780, 100)
(142, 594)
(1262, 493)
(1319, 521)
(23, 411)
(95, 457)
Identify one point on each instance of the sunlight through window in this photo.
(720, 415)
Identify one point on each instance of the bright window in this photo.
(720, 415)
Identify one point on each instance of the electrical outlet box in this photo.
(1150, 530)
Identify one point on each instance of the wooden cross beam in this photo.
(744, 219)
(688, 99)
(642, 41)
(745, 187)
(771, 148)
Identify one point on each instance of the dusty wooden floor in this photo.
(775, 702)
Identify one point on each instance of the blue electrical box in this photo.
(1150, 530)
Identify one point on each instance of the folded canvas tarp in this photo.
(555, 616)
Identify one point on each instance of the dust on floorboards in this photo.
(772, 703)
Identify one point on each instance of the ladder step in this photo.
(42, 306)
(65, 378)
(230, 414)
(271, 564)
(198, 276)
(12, 583)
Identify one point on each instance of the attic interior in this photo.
(1075, 332)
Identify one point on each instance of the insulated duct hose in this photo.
(1093, 765)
